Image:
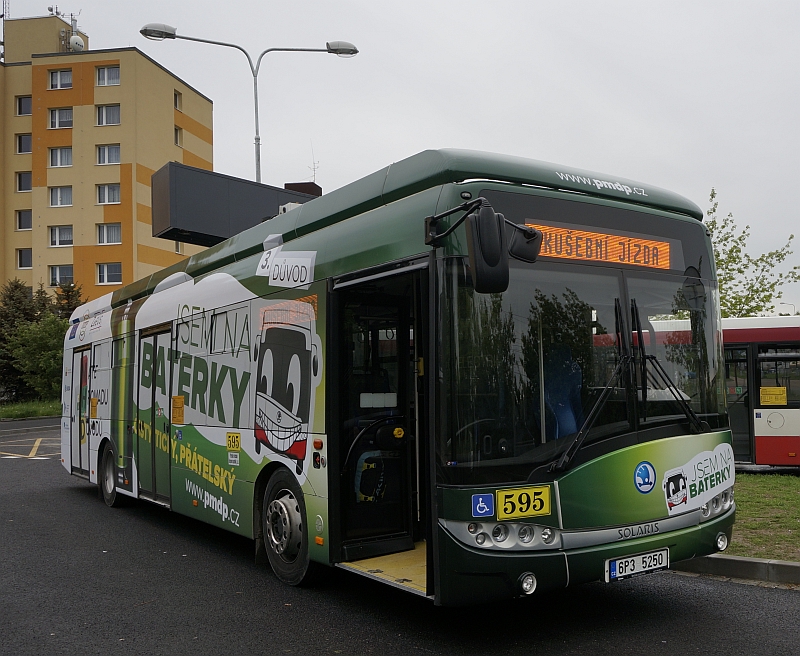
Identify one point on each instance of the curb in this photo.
(737, 567)
(3, 419)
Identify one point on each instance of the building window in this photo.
(24, 106)
(178, 96)
(24, 258)
(108, 194)
(109, 233)
(108, 115)
(60, 273)
(108, 154)
(109, 274)
(61, 235)
(60, 196)
(61, 118)
(108, 76)
(178, 136)
(24, 219)
(61, 156)
(24, 144)
(24, 181)
(61, 79)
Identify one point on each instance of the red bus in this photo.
(762, 386)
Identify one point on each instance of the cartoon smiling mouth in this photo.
(677, 499)
(279, 429)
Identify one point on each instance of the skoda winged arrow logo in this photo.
(644, 477)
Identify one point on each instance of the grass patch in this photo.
(30, 409)
(767, 517)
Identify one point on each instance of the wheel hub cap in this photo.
(109, 477)
(284, 525)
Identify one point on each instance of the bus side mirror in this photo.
(526, 242)
(488, 250)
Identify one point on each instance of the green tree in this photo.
(68, 297)
(17, 307)
(37, 350)
(42, 303)
(748, 286)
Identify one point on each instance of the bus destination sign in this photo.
(581, 245)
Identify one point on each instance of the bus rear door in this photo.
(79, 413)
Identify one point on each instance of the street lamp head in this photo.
(158, 31)
(341, 48)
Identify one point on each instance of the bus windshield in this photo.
(522, 370)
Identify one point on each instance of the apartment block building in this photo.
(82, 133)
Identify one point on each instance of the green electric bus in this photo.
(467, 375)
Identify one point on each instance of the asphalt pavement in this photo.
(77, 577)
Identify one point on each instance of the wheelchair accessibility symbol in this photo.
(483, 505)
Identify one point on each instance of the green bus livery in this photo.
(467, 375)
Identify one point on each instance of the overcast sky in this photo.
(684, 95)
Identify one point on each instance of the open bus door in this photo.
(380, 465)
(79, 412)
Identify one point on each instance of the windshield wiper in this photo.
(697, 424)
(624, 361)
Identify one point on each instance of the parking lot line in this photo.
(40, 448)
(35, 447)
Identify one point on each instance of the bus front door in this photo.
(79, 416)
(377, 446)
(737, 393)
(153, 421)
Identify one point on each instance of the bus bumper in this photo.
(470, 576)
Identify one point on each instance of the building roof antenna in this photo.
(314, 164)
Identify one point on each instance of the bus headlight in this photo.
(722, 541)
(705, 510)
(500, 532)
(474, 528)
(548, 535)
(481, 538)
(525, 533)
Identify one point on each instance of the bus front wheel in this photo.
(284, 531)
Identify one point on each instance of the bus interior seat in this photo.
(378, 464)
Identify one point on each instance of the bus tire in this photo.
(284, 530)
(107, 479)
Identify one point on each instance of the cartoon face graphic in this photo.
(288, 372)
(675, 489)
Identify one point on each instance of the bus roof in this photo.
(412, 175)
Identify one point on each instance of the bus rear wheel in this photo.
(108, 476)
(284, 530)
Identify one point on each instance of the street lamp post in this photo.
(160, 31)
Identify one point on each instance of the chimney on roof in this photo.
(310, 188)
